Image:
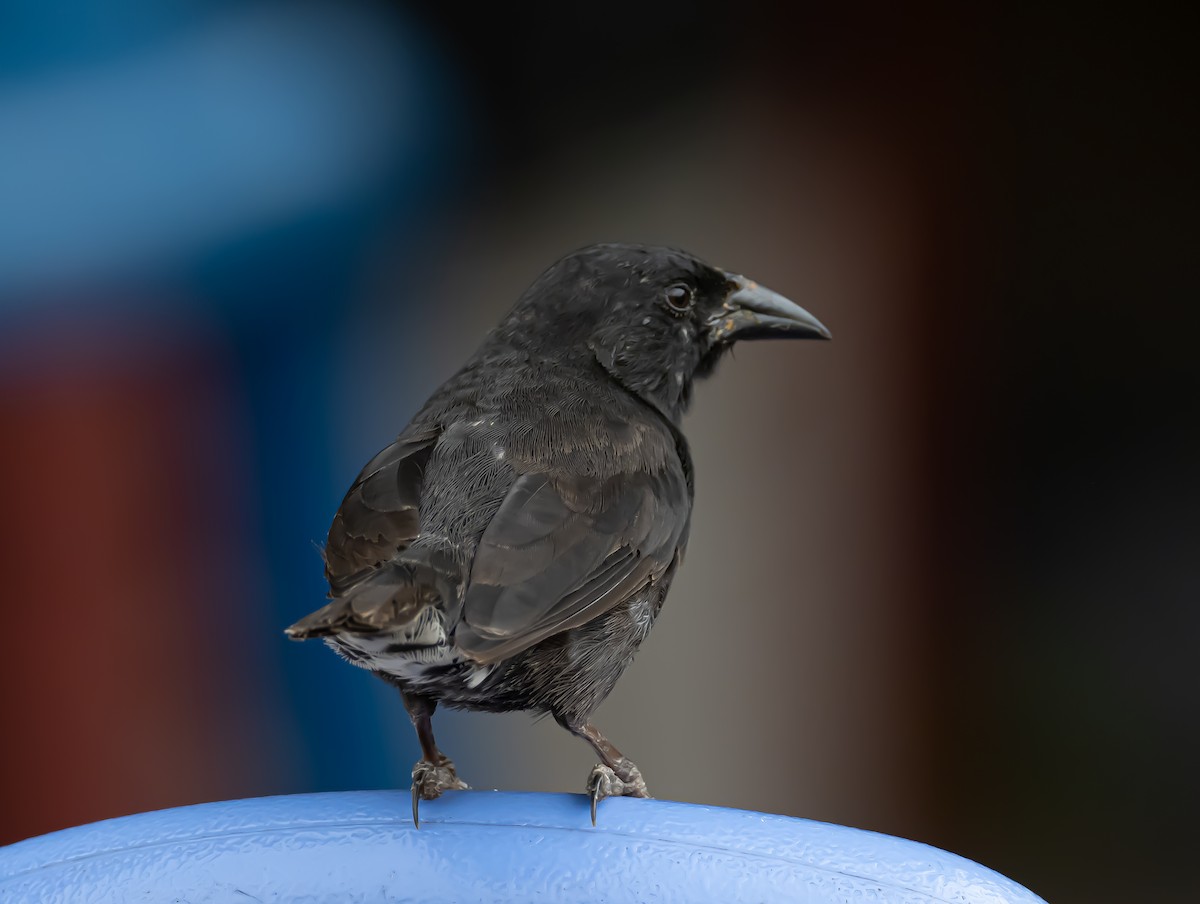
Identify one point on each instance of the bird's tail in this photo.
(386, 599)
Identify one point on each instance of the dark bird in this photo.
(512, 548)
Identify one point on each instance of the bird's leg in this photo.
(615, 775)
(434, 772)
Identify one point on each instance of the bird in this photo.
(512, 548)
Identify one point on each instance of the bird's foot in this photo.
(429, 780)
(625, 781)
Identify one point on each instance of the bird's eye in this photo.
(679, 297)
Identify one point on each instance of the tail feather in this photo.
(386, 599)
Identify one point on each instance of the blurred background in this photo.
(240, 243)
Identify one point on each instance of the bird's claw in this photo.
(429, 781)
(604, 782)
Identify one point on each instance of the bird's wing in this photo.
(562, 549)
(380, 514)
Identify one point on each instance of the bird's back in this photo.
(510, 436)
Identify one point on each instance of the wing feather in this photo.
(562, 549)
(380, 514)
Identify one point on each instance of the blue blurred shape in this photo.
(243, 121)
(483, 846)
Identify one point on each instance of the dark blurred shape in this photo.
(1070, 441)
(548, 75)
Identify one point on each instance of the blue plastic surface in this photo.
(482, 846)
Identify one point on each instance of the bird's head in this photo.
(655, 318)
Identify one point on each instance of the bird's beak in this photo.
(752, 311)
